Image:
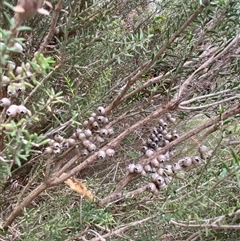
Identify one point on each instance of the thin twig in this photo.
(203, 226)
(124, 228)
(52, 28)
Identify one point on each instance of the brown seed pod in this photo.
(151, 187)
(65, 145)
(131, 168)
(101, 110)
(86, 143)
(149, 152)
(168, 115)
(78, 131)
(103, 132)
(161, 122)
(105, 121)
(154, 162)
(48, 150)
(161, 158)
(100, 119)
(95, 125)
(85, 152)
(58, 138)
(88, 132)
(81, 136)
(101, 154)
(144, 149)
(110, 152)
(143, 173)
(71, 141)
(51, 142)
(5, 80)
(159, 180)
(56, 145)
(185, 162)
(5, 102)
(92, 147)
(148, 168)
(196, 160)
(22, 110)
(85, 123)
(12, 111)
(57, 151)
(91, 119)
(11, 91)
(138, 168)
(11, 65)
(203, 151)
(168, 137)
(172, 120)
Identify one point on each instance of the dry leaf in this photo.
(78, 187)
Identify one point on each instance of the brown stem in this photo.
(210, 226)
(18, 209)
(52, 28)
(128, 178)
(124, 228)
(150, 63)
(115, 142)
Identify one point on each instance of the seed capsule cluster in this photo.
(87, 138)
(14, 90)
(14, 80)
(12, 111)
(160, 169)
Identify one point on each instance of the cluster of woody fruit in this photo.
(160, 169)
(87, 139)
(14, 80)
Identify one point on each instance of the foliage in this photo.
(139, 65)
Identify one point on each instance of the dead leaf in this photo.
(78, 187)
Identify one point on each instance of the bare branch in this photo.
(183, 87)
(52, 28)
(209, 105)
(124, 228)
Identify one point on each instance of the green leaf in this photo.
(235, 156)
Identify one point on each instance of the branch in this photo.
(18, 209)
(143, 86)
(203, 226)
(124, 228)
(208, 105)
(52, 28)
(115, 142)
(150, 63)
(207, 96)
(205, 65)
(128, 178)
(122, 196)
